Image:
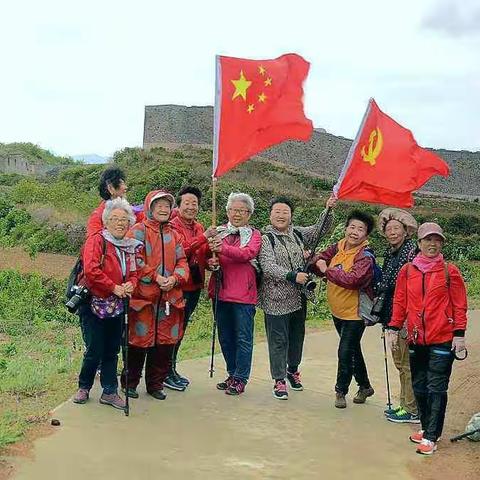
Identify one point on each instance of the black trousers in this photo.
(350, 358)
(431, 367)
(191, 302)
(285, 337)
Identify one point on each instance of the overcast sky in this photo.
(76, 76)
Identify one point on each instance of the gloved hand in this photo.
(392, 339)
(458, 344)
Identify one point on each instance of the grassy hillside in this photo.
(33, 154)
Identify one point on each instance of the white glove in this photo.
(392, 339)
(458, 344)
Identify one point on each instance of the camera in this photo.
(310, 285)
(80, 294)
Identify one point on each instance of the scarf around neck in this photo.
(244, 232)
(427, 264)
(127, 245)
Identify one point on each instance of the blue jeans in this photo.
(102, 338)
(235, 333)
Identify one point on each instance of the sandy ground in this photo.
(203, 433)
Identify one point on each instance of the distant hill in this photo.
(91, 158)
(322, 155)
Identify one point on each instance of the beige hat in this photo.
(402, 216)
(430, 228)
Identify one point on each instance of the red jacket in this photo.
(101, 280)
(239, 283)
(433, 312)
(95, 222)
(195, 246)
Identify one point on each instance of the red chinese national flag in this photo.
(258, 103)
(385, 164)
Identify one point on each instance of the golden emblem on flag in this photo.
(371, 152)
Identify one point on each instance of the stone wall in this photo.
(16, 163)
(323, 154)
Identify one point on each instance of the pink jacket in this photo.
(238, 274)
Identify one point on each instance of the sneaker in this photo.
(402, 416)
(416, 437)
(180, 379)
(391, 411)
(113, 400)
(340, 401)
(81, 396)
(158, 394)
(132, 393)
(237, 387)
(171, 383)
(363, 394)
(426, 447)
(225, 384)
(280, 390)
(294, 379)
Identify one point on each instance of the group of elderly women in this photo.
(143, 260)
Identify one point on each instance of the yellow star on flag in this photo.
(262, 70)
(268, 82)
(251, 108)
(262, 97)
(241, 86)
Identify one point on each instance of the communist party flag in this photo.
(258, 103)
(385, 164)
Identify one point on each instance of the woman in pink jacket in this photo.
(237, 245)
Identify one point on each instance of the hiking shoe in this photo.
(180, 379)
(158, 394)
(391, 411)
(280, 390)
(340, 401)
(416, 437)
(131, 392)
(402, 416)
(225, 384)
(113, 399)
(237, 387)
(171, 383)
(363, 394)
(81, 396)
(294, 379)
(426, 447)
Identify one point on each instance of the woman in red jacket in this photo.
(109, 267)
(430, 296)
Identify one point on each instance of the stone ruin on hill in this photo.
(323, 154)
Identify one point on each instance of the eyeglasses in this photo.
(119, 220)
(239, 211)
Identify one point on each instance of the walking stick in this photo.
(125, 355)
(389, 401)
(463, 435)
(218, 280)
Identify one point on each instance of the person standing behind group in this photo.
(236, 245)
(110, 270)
(348, 268)
(112, 185)
(282, 262)
(156, 308)
(398, 227)
(194, 240)
(431, 298)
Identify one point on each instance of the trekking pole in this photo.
(389, 401)
(463, 435)
(217, 273)
(125, 354)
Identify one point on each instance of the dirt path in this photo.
(203, 433)
(48, 264)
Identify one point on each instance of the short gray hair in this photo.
(121, 204)
(241, 197)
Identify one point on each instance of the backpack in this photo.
(370, 309)
(297, 235)
(77, 277)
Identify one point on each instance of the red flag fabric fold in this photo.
(258, 103)
(385, 164)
